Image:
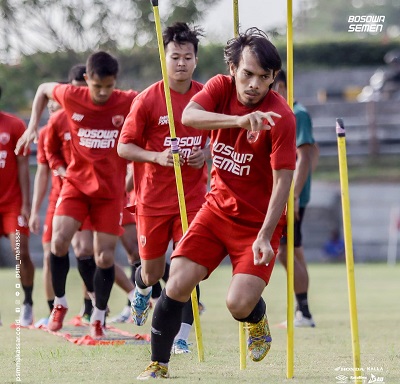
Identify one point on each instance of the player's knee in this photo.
(151, 277)
(177, 291)
(105, 258)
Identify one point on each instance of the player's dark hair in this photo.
(260, 46)
(180, 33)
(76, 73)
(102, 64)
(281, 77)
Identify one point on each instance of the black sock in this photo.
(50, 303)
(302, 303)
(59, 270)
(88, 306)
(164, 327)
(156, 291)
(256, 314)
(138, 278)
(134, 267)
(103, 282)
(28, 294)
(87, 268)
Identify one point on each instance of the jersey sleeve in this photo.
(53, 145)
(133, 128)
(283, 154)
(212, 91)
(59, 92)
(40, 154)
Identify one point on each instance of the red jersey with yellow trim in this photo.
(11, 129)
(41, 158)
(147, 127)
(241, 176)
(95, 168)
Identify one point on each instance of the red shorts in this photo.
(48, 223)
(211, 238)
(11, 221)
(105, 214)
(155, 232)
(128, 217)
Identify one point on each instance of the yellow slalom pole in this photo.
(290, 212)
(177, 168)
(344, 187)
(242, 330)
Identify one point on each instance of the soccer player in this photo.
(254, 155)
(306, 152)
(94, 181)
(145, 139)
(15, 206)
(44, 175)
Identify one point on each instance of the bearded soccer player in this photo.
(94, 179)
(253, 146)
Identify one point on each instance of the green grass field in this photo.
(50, 359)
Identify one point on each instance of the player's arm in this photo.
(42, 178)
(129, 179)
(262, 249)
(53, 150)
(42, 96)
(133, 152)
(23, 178)
(194, 115)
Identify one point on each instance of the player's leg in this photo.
(104, 247)
(82, 244)
(184, 276)
(64, 228)
(154, 234)
(244, 299)
(129, 242)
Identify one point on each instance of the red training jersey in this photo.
(41, 157)
(95, 168)
(241, 176)
(11, 129)
(147, 127)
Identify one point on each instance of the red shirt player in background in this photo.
(254, 155)
(94, 182)
(15, 206)
(145, 139)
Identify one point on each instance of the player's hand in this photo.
(166, 159)
(258, 121)
(25, 140)
(262, 251)
(34, 223)
(196, 158)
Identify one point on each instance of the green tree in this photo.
(29, 26)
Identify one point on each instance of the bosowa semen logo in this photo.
(366, 23)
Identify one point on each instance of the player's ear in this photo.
(232, 69)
